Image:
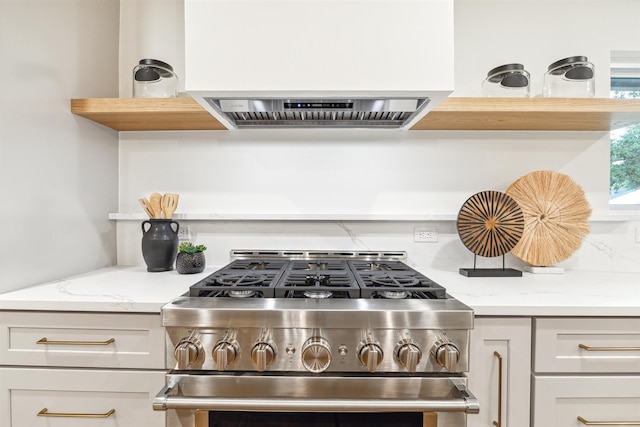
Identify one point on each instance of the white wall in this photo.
(58, 172)
(357, 173)
(536, 33)
(418, 172)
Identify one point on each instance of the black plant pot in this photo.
(190, 263)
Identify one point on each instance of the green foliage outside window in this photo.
(625, 154)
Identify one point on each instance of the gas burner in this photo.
(378, 267)
(257, 264)
(228, 293)
(241, 280)
(242, 293)
(317, 280)
(262, 265)
(318, 265)
(220, 283)
(318, 294)
(391, 280)
(413, 285)
(340, 284)
(394, 294)
(364, 266)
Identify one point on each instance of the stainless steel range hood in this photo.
(320, 111)
(379, 64)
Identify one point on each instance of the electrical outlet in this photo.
(425, 235)
(184, 233)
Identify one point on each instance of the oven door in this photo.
(247, 399)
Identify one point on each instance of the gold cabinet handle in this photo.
(44, 340)
(589, 348)
(609, 423)
(45, 413)
(499, 422)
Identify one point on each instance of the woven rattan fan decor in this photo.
(490, 224)
(556, 215)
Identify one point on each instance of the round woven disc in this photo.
(556, 215)
(490, 223)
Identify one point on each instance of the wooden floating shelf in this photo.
(454, 113)
(338, 217)
(151, 114)
(554, 114)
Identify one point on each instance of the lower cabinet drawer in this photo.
(92, 340)
(580, 400)
(87, 398)
(585, 345)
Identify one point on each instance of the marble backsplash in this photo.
(610, 246)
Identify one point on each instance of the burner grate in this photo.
(232, 283)
(306, 274)
(391, 285)
(318, 284)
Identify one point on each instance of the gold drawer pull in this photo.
(588, 348)
(499, 422)
(45, 413)
(609, 423)
(46, 341)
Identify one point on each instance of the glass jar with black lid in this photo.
(509, 80)
(571, 77)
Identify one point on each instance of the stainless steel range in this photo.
(293, 338)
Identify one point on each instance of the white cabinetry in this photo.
(500, 343)
(84, 369)
(586, 372)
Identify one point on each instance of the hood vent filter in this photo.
(314, 113)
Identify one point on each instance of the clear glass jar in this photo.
(571, 77)
(154, 79)
(509, 80)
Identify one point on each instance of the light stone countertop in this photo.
(572, 293)
(133, 289)
(120, 288)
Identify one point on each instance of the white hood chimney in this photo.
(319, 63)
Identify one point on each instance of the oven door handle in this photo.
(467, 403)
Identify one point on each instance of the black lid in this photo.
(571, 66)
(503, 69)
(154, 70)
(506, 75)
(567, 61)
(156, 63)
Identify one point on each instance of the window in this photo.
(624, 182)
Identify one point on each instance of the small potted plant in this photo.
(190, 258)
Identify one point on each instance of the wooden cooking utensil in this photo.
(146, 206)
(169, 204)
(156, 204)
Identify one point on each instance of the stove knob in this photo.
(316, 355)
(263, 354)
(446, 353)
(370, 355)
(225, 353)
(408, 354)
(187, 352)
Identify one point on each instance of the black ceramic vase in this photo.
(159, 243)
(190, 263)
